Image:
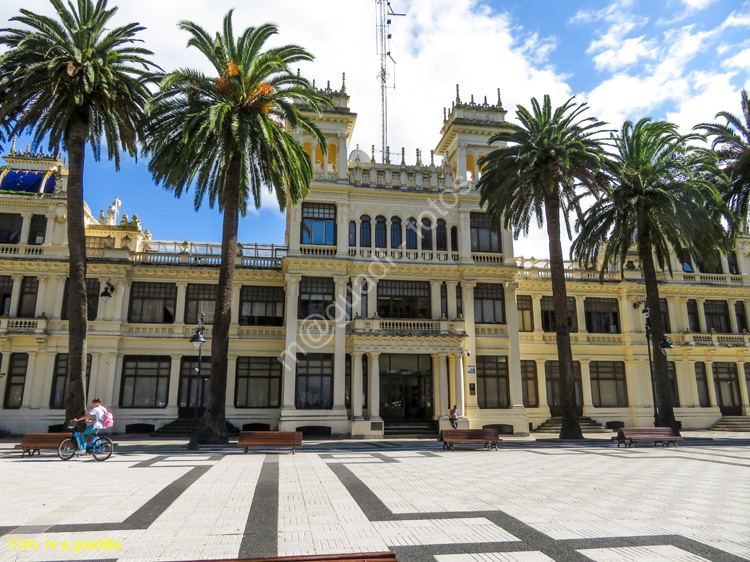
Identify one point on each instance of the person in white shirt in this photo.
(96, 412)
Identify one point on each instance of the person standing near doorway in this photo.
(454, 413)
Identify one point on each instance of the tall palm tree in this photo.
(662, 197)
(535, 174)
(73, 81)
(229, 136)
(731, 143)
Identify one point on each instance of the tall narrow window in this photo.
(664, 311)
(693, 319)
(426, 234)
(454, 238)
(316, 294)
(27, 302)
(200, 299)
(493, 390)
(261, 305)
(484, 238)
(60, 380)
(37, 230)
(16, 380)
(459, 301)
(92, 299)
(525, 313)
(411, 234)
(739, 310)
(441, 236)
(258, 382)
(6, 292)
(145, 381)
(608, 387)
(395, 232)
(352, 234)
(704, 399)
(314, 381)
(602, 315)
(153, 302)
(548, 314)
(364, 232)
(530, 383)
(732, 263)
(717, 316)
(319, 224)
(380, 237)
(489, 303)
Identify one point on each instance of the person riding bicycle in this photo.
(97, 412)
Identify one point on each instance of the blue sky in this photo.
(681, 60)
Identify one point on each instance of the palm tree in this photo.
(73, 81)
(731, 143)
(227, 136)
(662, 197)
(535, 175)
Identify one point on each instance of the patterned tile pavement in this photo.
(530, 501)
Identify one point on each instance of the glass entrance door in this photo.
(727, 388)
(406, 391)
(553, 387)
(193, 386)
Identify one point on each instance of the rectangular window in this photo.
(739, 310)
(443, 300)
(674, 393)
(145, 381)
(693, 319)
(16, 380)
(717, 317)
(493, 390)
(258, 382)
(6, 292)
(314, 381)
(261, 306)
(27, 302)
(484, 238)
(552, 380)
(404, 299)
(10, 228)
(489, 303)
(459, 301)
(525, 313)
(60, 380)
(530, 384)
(37, 230)
(200, 299)
(732, 263)
(193, 387)
(319, 224)
(348, 381)
(152, 302)
(548, 314)
(608, 387)
(602, 315)
(704, 400)
(316, 295)
(92, 299)
(664, 310)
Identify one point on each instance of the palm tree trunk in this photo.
(661, 379)
(570, 429)
(75, 397)
(213, 423)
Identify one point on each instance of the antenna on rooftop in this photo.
(385, 13)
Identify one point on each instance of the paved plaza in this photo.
(530, 501)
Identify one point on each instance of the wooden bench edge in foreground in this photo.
(291, 439)
(31, 442)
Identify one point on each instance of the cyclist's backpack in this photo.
(108, 420)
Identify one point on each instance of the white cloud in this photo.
(740, 61)
(698, 4)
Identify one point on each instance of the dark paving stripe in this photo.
(678, 541)
(368, 502)
(6, 530)
(260, 538)
(385, 458)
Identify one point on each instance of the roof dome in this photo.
(362, 156)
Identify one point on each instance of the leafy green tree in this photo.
(536, 174)
(72, 81)
(229, 135)
(662, 197)
(731, 143)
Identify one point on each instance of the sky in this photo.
(679, 60)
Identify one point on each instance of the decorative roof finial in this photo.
(372, 158)
(313, 83)
(485, 100)
(432, 157)
(445, 117)
(472, 99)
(343, 81)
(499, 101)
(328, 86)
(419, 158)
(13, 146)
(357, 153)
(458, 97)
(403, 156)
(297, 71)
(387, 154)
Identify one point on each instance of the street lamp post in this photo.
(665, 346)
(197, 340)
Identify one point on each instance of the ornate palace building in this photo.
(391, 300)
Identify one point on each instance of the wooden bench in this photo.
(486, 437)
(630, 436)
(291, 439)
(352, 557)
(31, 442)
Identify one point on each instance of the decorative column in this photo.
(581, 314)
(342, 235)
(450, 289)
(672, 313)
(460, 400)
(356, 296)
(685, 386)
(683, 314)
(15, 295)
(31, 376)
(514, 346)
(626, 314)
(373, 378)
(339, 353)
(437, 397)
(122, 297)
(742, 379)
(179, 313)
(435, 287)
(173, 396)
(541, 377)
(588, 400)
(342, 157)
(356, 235)
(372, 297)
(445, 405)
(236, 304)
(732, 315)
(290, 350)
(60, 296)
(388, 225)
(231, 381)
(464, 237)
(40, 295)
(701, 315)
(49, 229)
(25, 228)
(693, 384)
(536, 311)
(711, 384)
(112, 378)
(356, 390)
(97, 379)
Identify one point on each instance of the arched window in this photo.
(426, 234)
(411, 234)
(395, 232)
(352, 234)
(380, 238)
(364, 231)
(441, 236)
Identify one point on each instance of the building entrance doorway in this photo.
(406, 391)
(552, 374)
(727, 388)
(193, 388)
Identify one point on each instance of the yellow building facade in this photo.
(391, 299)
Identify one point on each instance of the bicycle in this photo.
(100, 447)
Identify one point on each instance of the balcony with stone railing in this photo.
(23, 326)
(407, 327)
